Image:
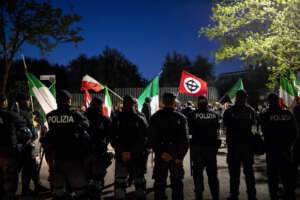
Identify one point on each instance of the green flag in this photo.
(152, 91)
(232, 92)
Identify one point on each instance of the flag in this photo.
(87, 99)
(152, 91)
(43, 95)
(296, 84)
(287, 93)
(232, 92)
(89, 83)
(52, 89)
(192, 85)
(107, 104)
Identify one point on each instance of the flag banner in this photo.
(296, 84)
(43, 95)
(152, 91)
(287, 93)
(192, 85)
(107, 104)
(232, 92)
(89, 83)
(87, 99)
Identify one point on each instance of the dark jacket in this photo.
(238, 121)
(147, 111)
(169, 133)
(129, 133)
(204, 127)
(99, 129)
(279, 129)
(67, 134)
(9, 123)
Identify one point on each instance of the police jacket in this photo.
(238, 121)
(129, 132)
(279, 129)
(99, 129)
(9, 123)
(169, 133)
(66, 134)
(204, 127)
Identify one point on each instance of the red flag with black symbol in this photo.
(87, 99)
(192, 85)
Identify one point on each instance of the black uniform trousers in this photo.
(278, 166)
(8, 177)
(160, 175)
(205, 157)
(241, 154)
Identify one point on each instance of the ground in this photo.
(259, 168)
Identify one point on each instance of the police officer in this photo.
(129, 142)
(280, 131)
(9, 123)
(67, 142)
(99, 160)
(29, 163)
(169, 141)
(204, 128)
(238, 121)
(188, 109)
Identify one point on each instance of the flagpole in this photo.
(25, 66)
(115, 93)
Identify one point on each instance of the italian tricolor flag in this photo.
(232, 92)
(152, 90)
(107, 104)
(287, 93)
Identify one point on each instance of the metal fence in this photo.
(78, 99)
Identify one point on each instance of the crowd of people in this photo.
(76, 147)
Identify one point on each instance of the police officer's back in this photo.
(204, 128)
(280, 130)
(99, 159)
(238, 121)
(67, 142)
(169, 141)
(129, 141)
(9, 123)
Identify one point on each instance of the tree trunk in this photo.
(5, 78)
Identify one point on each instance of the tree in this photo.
(174, 64)
(257, 31)
(36, 23)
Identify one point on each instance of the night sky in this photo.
(144, 31)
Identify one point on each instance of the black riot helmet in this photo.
(273, 99)
(241, 96)
(202, 102)
(63, 97)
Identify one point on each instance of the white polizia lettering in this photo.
(62, 119)
(205, 116)
(280, 117)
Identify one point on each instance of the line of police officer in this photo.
(76, 148)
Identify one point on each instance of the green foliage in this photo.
(175, 63)
(258, 30)
(34, 22)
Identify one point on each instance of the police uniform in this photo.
(98, 161)
(129, 135)
(238, 121)
(169, 132)
(279, 130)
(67, 142)
(9, 123)
(204, 128)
